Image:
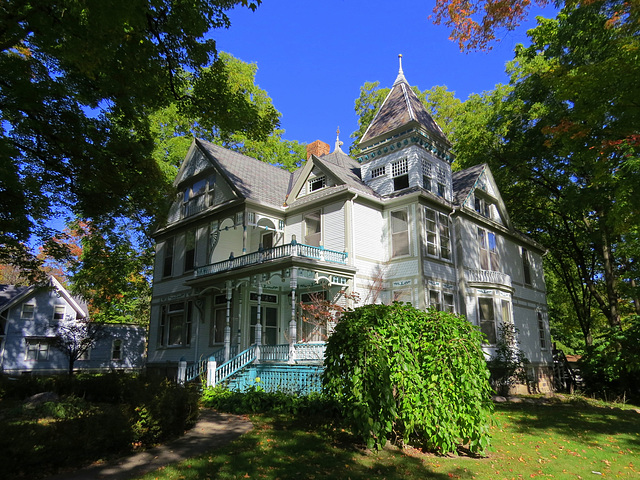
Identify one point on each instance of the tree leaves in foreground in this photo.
(410, 376)
(77, 81)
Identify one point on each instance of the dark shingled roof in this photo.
(401, 107)
(9, 292)
(463, 182)
(346, 169)
(252, 179)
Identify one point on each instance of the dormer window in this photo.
(400, 173)
(483, 207)
(317, 183)
(199, 195)
(378, 171)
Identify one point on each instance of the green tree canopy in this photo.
(77, 81)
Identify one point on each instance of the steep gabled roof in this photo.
(400, 108)
(250, 178)
(464, 181)
(11, 295)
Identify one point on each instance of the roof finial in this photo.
(400, 77)
(338, 142)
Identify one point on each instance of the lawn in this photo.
(562, 440)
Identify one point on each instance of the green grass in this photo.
(562, 440)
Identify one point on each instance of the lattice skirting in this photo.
(298, 379)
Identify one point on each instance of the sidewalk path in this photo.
(212, 430)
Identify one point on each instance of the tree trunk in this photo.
(612, 313)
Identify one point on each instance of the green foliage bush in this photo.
(611, 366)
(403, 374)
(256, 400)
(508, 365)
(97, 415)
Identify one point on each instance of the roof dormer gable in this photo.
(314, 177)
(485, 200)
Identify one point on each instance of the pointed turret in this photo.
(401, 113)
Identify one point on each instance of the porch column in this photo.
(258, 323)
(239, 322)
(293, 334)
(227, 328)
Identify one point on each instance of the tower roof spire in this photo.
(400, 77)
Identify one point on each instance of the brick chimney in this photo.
(318, 148)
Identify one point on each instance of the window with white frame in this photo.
(317, 183)
(400, 174)
(190, 250)
(116, 350)
(175, 324)
(199, 195)
(438, 234)
(489, 257)
(403, 295)
(28, 311)
(378, 171)
(526, 266)
(167, 257)
(441, 181)
(483, 206)
(441, 300)
(487, 319)
(542, 332)
(399, 233)
(59, 312)
(427, 174)
(313, 228)
(37, 349)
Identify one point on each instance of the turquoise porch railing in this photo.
(281, 251)
(199, 368)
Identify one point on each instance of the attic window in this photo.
(483, 207)
(58, 312)
(379, 171)
(199, 195)
(317, 183)
(400, 173)
(27, 311)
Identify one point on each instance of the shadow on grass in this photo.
(282, 448)
(584, 421)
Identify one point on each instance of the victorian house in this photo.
(247, 243)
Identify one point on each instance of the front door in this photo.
(269, 321)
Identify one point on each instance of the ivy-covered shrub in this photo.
(410, 376)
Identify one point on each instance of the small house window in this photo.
(489, 257)
(399, 233)
(175, 324)
(542, 332)
(58, 312)
(190, 250)
(167, 258)
(28, 310)
(116, 350)
(313, 228)
(427, 173)
(438, 233)
(487, 319)
(400, 173)
(37, 350)
(317, 183)
(378, 171)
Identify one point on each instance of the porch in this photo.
(294, 368)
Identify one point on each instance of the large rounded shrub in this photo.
(407, 375)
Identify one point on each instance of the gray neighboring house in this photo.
(28, 319)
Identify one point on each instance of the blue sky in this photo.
(313, 57)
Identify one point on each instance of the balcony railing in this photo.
(487, 276)
(282, 251)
